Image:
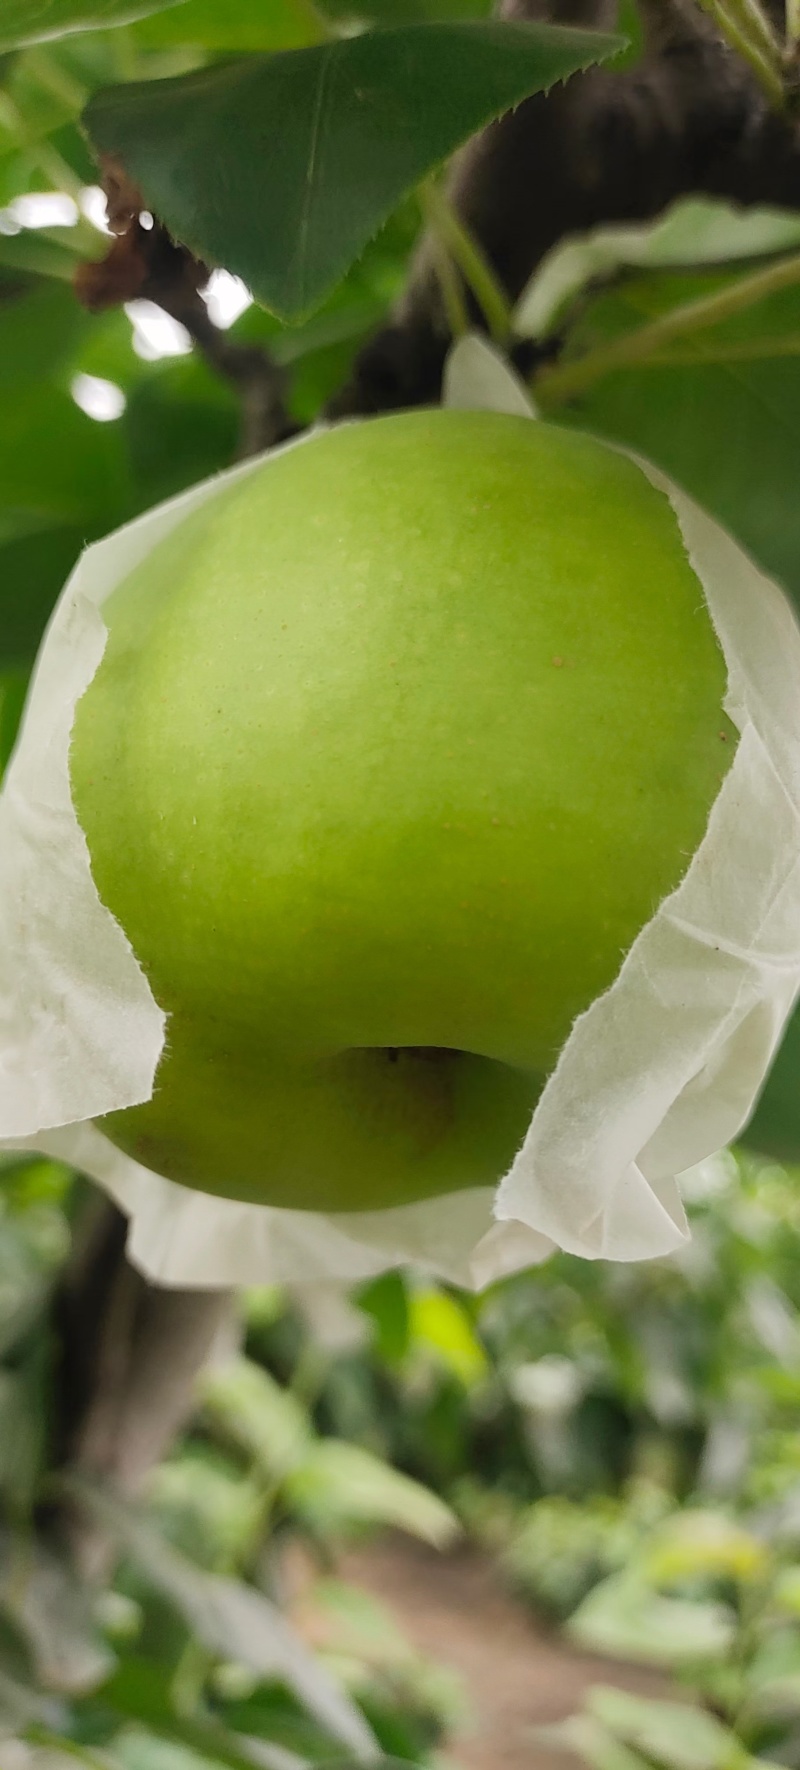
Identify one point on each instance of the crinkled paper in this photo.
(660, 1072)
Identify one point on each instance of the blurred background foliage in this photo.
(620, 1443)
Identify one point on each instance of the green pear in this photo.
(395, 746)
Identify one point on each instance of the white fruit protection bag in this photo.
(662, 1071)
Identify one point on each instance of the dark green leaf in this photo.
(38, 333)
(60, 465)
(34, 21)
(282, 167)
(33, 569)
(406, 12)
(140, 1691)
(64, 482)
(181, 425)
(386, 1300)
(13, 689)
(775, 1127)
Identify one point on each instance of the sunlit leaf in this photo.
(672, 1733)
(257, 1414)
(39, 332)
(441, 1326)
(340, 1483)
(701, 1542)
(627, 1619)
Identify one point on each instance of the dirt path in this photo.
(455, 1609)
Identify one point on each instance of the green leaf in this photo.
(181, 425)
(699, 1542)
(625, 1618)
(693, 232)
(235, 25)
(584, 1737)
(281, 168)
(671, 1733)
(39, 332)
(260, 1416)
(50, 252)
(65, 482)
(231, 1619)
(34, 566)
(140, 1690)
(382, 13)
(35, 21)
(774, 1128)
(341, 1484)
(57, 465)
(13, 689)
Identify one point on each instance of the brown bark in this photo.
(130, 1353)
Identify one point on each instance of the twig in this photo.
(455, 306)
(470, 258)
(565, 380)
(146, 264)
(745, 29)
(259, 382)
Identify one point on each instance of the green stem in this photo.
(793, 22)
(565, 380)
(755, 24)
(746, 350)
(753, 42)
(470, 259)
(47, 158)
(452, 289)
(49, 73)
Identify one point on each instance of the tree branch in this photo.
(144, 263)
(130, 1353)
